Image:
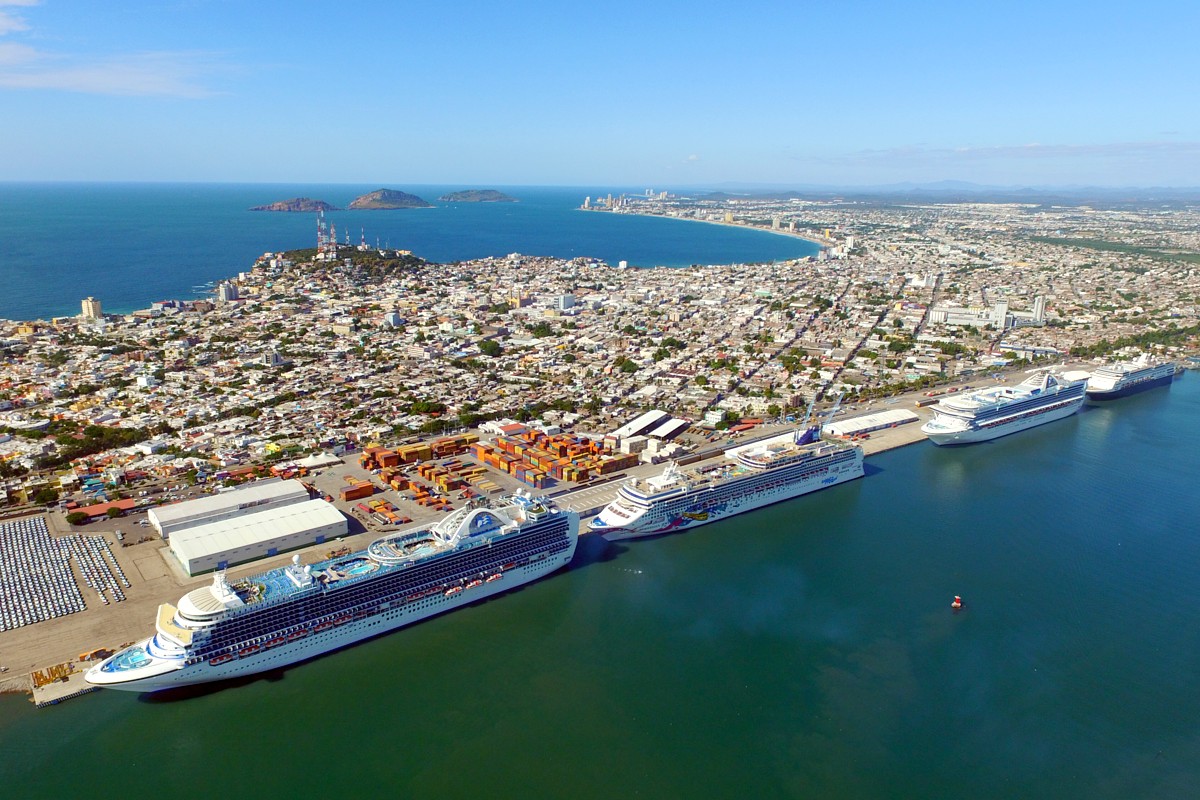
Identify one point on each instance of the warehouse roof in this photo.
(870, 422)
(254, 529)
(248, 496)
(641, 424)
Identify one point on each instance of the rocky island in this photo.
(388, 198)
(306, 204)
(477, 196)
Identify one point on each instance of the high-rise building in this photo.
(227, 292)
(1039, 309)
(91, 308)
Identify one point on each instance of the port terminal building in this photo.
(262, 519)
(857, 426)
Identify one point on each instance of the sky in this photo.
(653, 93)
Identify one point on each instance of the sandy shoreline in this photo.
(738, 225)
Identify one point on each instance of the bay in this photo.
(132, 244)
(804, 650)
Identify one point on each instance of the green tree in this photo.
(490, 347)
(46, 496)
(77, 518)
(114, 512)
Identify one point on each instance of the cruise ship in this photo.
(747, 478)
(1123, 379)
(1000, 410)
(299, 611)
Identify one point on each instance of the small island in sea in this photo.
(388, 198)
(477, 196)
(306, 204)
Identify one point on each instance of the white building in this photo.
(251, 498)
(218, 545)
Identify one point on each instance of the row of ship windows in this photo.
(390, 615)
(374, 589)
(244, 630)
(1012, 408)
(727, 493)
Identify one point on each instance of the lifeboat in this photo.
(474, 583)
(300, 634)
(494, 577)
(249, 651)
(278, 640)
(453, 590)
(342, 620)
(323, 626)
(221, 659)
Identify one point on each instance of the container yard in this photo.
(535, 458)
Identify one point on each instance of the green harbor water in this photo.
(804, 650)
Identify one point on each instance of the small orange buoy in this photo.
(957, 602)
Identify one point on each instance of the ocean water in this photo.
(132, 244)
(804, 650)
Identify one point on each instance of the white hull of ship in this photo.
(339, 636)
(648, 525)
(973, 434)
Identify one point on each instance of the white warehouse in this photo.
(222, 544)
(248, 499)
(261, 519)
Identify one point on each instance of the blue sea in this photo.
(132, 244)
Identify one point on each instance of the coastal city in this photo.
(393, 389)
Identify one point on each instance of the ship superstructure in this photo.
(1000, 410)
(296, 612)
(1125, 378)
(747, 478)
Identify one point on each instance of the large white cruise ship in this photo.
(749, 477)
(293, 613)
(1000, 410)
(1123, 379)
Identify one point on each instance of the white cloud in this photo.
(10, 23)
(171, 74)
(166, 73)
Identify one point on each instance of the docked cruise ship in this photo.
(1000, 410)
(1123, 379)
(296, 612)
(749, 477)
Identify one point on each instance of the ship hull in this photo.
(335, 638)
(974, 434)
(681, 520)
(1101, 395)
